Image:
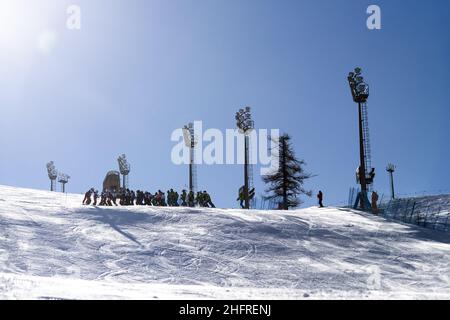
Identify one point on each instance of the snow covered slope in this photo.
(52, 247)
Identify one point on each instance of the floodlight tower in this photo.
(124, 168)
(190, 142)
(391, 169)
(63, 179)
(245, 125)
(52, 174)
(365, 173)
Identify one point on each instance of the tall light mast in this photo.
(52, 175)
(190, 141)
(245, 125)
(63, 179)
(391, 169)
(124, 168)
(365, 173)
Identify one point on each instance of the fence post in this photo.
(406, 210)
(412, 212)
(388, 207)
(437, 217)
(396, 208)
(349, 196)
(425, 218)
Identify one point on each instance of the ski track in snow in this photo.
(52, 247)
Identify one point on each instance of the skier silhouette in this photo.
(320, 197)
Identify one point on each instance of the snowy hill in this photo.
(52, 247)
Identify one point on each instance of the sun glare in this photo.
(21, 26)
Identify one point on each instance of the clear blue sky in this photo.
(137, 70)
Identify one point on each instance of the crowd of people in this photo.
(172, 198)
(144, 198)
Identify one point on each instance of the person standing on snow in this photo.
(320, 197)
(87, 196)
(139, 198)
(163, 199)
(95, 197)
(191, 199)
(200, 201)
(157, 199)
(132, 197)
(175, 198)
(183, 198)
(107, 198)
(170, 197)
(207, 200)
(102, 199)
(374, 202)
(114, 197)
(241, 198)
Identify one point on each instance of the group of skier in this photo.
(144, 198)
(107, 198)
(174, 199)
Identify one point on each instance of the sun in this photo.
(16, 24)
(21, 24)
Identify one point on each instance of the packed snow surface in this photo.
(53, 247)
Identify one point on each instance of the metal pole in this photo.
(246, 197)
(392, 184)
(362, 167)
(191, 182)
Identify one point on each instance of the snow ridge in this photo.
(52, 247)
